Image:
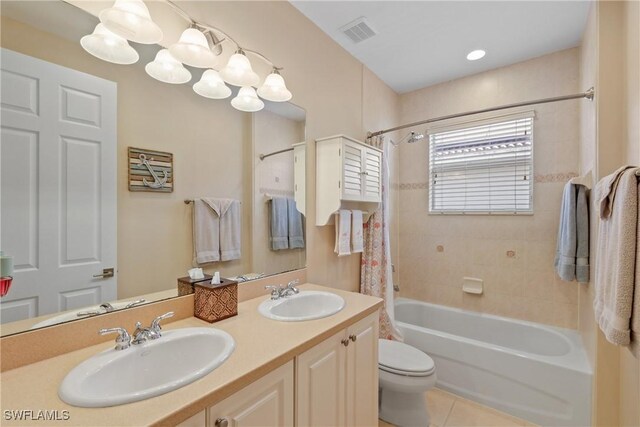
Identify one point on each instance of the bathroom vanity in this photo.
(277, 373)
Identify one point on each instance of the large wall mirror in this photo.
(68, 213)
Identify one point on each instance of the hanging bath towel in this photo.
(357, 243)
(296, 236)
(343, 233)
(226, 215)
(279, 224)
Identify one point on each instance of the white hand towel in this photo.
(616, 254)
(206, 233)
(296, 235)
(229, 228)
(278, 227)
(357, 242)
(343, 233)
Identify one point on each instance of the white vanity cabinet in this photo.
(337, 380)
(266, 402)
(348, 175)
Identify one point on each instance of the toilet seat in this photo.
(402, 359)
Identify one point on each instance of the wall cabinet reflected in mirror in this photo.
(67, 215)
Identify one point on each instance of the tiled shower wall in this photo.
(512, 254)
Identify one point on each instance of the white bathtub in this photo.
(532, 371)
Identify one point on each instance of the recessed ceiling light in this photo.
(475, 55)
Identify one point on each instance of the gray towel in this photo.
(296, 236)
(279, 224)
(565, 260)
(582, 230)
(616, 307)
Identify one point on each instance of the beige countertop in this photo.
(261, 346)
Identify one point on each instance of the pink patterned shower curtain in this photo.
(375, 273)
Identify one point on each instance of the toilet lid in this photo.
(400, 358)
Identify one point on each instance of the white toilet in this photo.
(406, 374)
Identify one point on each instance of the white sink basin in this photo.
(307, 305)
(142, 371)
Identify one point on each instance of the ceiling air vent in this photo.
(358, 30)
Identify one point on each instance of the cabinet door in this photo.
(320, 381)
(362, 372)
(266, 402)
(372, 175)
(352, 170)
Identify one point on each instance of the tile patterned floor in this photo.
(449, 410)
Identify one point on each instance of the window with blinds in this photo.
(482, 169)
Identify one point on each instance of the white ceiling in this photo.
(421, 43)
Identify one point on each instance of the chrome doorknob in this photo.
(106, 272)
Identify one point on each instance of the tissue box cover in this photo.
(185, 284)
(216, 302)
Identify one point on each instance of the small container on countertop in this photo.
(216, 302)
(185, 284)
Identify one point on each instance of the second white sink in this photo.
(139, 372)
(306, 305)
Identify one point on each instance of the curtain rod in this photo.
(589, 94)
(264, 156)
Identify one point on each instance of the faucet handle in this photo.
(123, 340)
(292, 285)
(155, 324)
(276, 290)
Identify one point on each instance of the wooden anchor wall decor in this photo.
(150, 170)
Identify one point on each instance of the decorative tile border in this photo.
(540, 179)
(276, 192)
(555, 177)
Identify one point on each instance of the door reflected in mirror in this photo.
(67, 214)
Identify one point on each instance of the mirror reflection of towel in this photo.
(279, 224)
(294, 218)
(216, 230)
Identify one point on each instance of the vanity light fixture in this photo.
(476, 54)
(130, 19)
(274, 88)
(238, 71)
(108, 46)
(193, 49)
(167, 69)
(212, 86)
(247, 100)
(198, 46)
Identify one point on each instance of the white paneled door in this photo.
(58, 186)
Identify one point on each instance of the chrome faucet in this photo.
(123, 340)
(105, 307)
(280, 291)
(140, 336)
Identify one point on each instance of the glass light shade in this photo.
(212, 86)
(475, 55)
(238, 71)
(193, 49)
(274, 88)
(130, 19)
(167, 69)
(247, 100)
(108, 46)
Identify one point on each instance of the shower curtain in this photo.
(375, 273)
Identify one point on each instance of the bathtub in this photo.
(532, 371)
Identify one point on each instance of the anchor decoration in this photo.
(150, 170)
(158, 183)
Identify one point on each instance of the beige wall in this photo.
(273, 176)
(524, 286)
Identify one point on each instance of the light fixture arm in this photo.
(213, 31)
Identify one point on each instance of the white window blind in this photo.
(483, 168)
